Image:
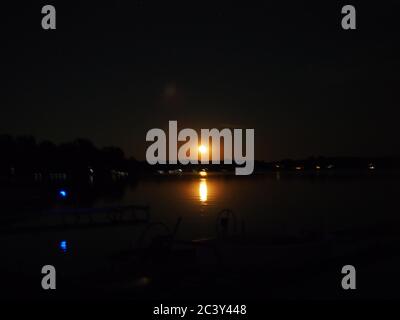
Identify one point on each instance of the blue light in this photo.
(63, 193)
(63, 246)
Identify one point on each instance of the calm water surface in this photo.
(268, 203)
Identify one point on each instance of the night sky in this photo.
(112, 71)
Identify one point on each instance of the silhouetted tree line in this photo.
(24, 156)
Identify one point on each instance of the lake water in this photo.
(275, 204)
(271, 203)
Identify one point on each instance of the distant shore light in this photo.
(63, 246)
(63, 193)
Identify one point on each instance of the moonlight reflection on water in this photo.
(203, 192)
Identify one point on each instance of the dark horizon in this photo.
(27, 155)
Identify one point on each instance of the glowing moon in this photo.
(202, 149)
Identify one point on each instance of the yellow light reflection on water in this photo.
(203, 173)
(203, 192)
